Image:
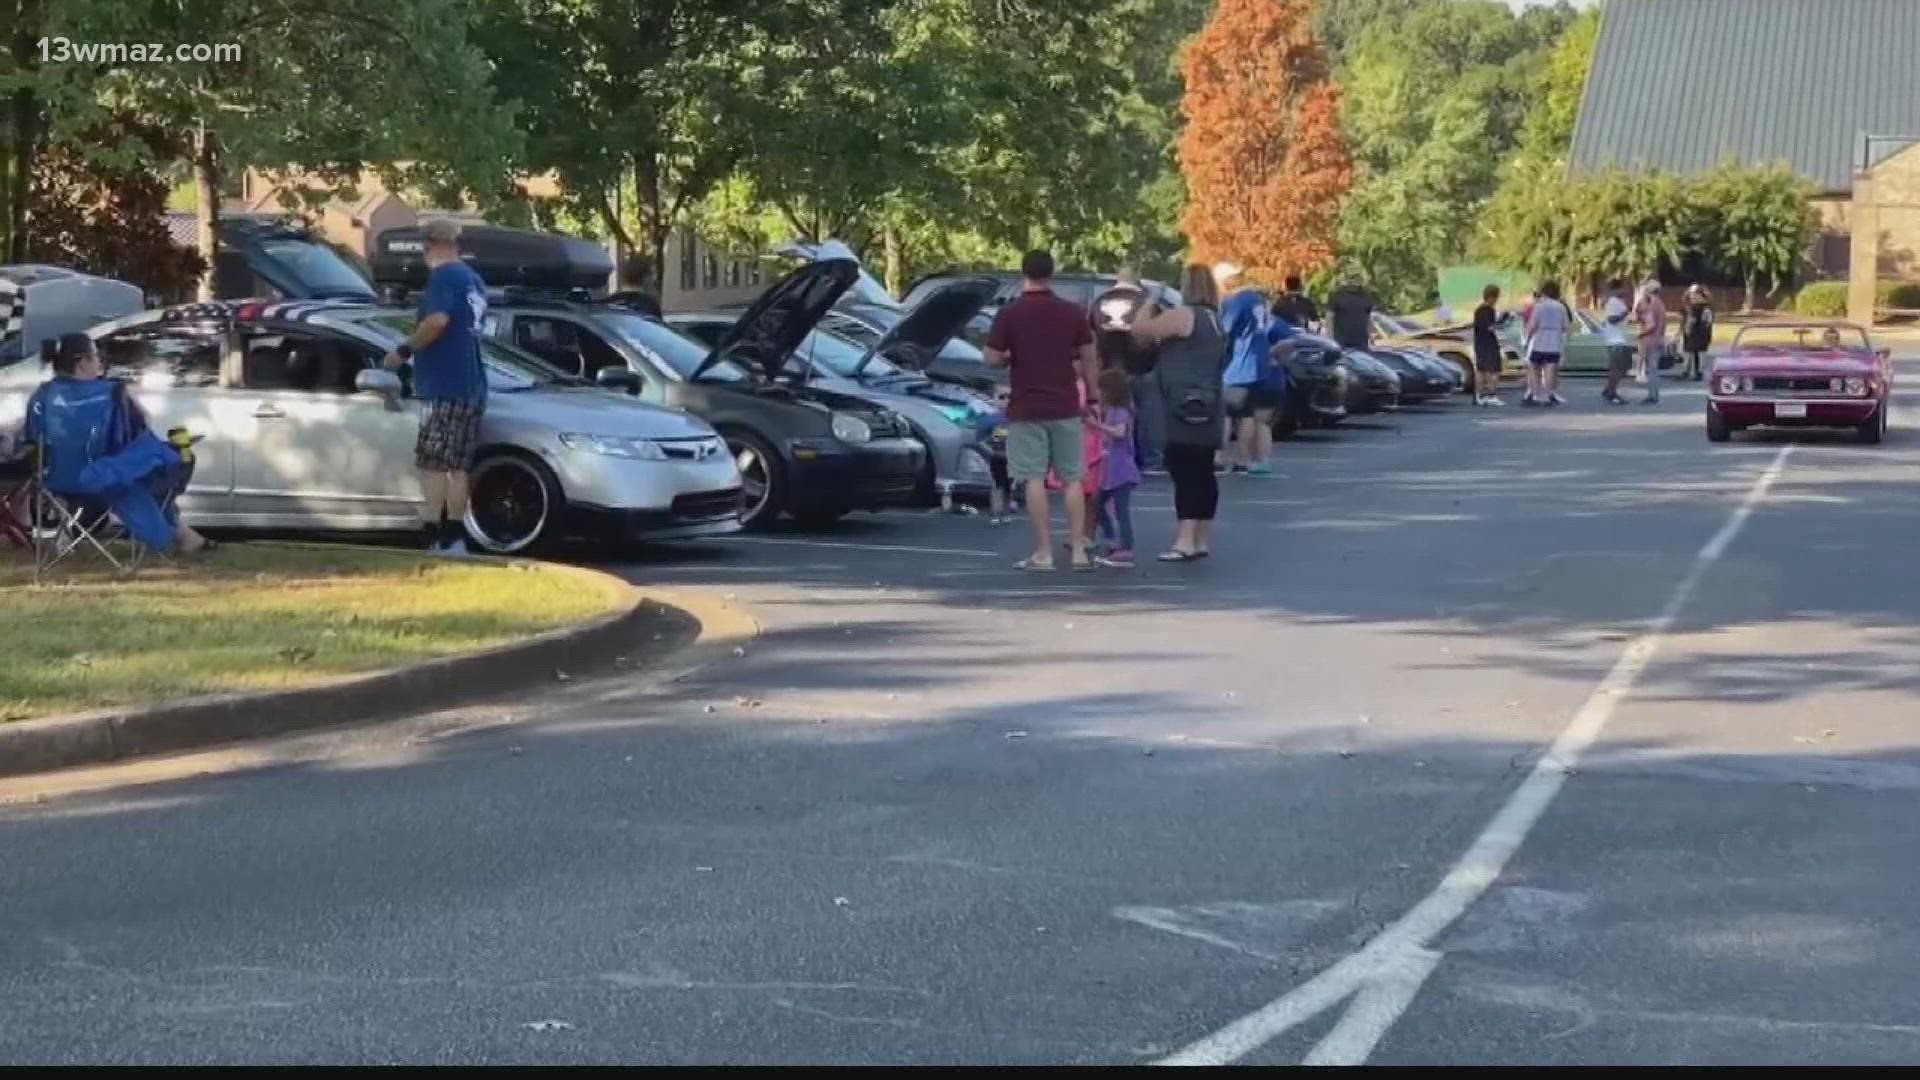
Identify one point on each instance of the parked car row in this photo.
(820, 398)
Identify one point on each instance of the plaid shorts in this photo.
(449, 435)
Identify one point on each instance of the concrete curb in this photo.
(111, 735)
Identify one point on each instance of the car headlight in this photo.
(850, 428)
(1727, 384)
(1856, 386)
(620, 446)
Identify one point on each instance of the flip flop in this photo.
(1175, 555)
(1035, 566)
(1087, 566)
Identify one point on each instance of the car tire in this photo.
(514, 503)
(1717, 428)
(1874, 431)
(763, 480)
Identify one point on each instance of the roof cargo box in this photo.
(504, 258)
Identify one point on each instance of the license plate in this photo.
(1790, 410)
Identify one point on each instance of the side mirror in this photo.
(378, 381)
(618, 378)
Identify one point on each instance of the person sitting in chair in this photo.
(100, 447)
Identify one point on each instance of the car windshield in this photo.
(508, 369)
(319, 269)
(681, 354)
(1813, 338)
(835, 355)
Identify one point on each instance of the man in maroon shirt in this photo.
(1048, 344)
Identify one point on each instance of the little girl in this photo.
(1121, 471)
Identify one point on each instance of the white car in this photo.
(303, 430)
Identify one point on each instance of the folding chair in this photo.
(69, 431)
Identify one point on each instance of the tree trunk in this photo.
(654, 229)
(1751, 291)
(206, 183)
(890, 241)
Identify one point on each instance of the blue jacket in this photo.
(95, 446)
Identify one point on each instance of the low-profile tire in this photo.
(1875, 429)
(763, 479)
(514, 503)
(1717, 427)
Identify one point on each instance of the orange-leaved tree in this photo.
(1264, 159)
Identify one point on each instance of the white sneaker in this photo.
(1498, 403)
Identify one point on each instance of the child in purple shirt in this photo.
(1121, 474)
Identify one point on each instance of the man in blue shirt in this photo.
(451, 384)
(1256, 376)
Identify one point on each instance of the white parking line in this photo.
(1386, 973)
(860, 547)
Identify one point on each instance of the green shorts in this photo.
(1035, 446)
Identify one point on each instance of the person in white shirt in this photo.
(1613, 329)
(1547, 325)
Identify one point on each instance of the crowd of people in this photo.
(1097, 402)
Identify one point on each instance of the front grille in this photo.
(698, 449)
(1802, 383)
(707, 505)
(885, 489)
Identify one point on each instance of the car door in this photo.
(176, 374)
(323, 456)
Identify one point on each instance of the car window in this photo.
(706, 333)
(835, 355)
(309, 363)
(156, 355)
(321, 271)
(567, 345)
(671, 349)
(1080, 291)
(508, 368)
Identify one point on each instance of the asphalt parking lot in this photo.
(1517, 736)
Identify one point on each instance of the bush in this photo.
(1822, 299)
(1828, 299)
(1897, 296)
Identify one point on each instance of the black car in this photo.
(802, 450)
(265, 258)
(1372, 386)
(1419, 382)
(1317, 380)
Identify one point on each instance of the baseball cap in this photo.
(443, 230)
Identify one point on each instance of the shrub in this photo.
(1897, 295)
(1822, 299)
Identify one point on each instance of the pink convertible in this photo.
(1800, 374)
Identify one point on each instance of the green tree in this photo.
(1757, 222)
(1509, 229)
(1435, 95)
(325, 87)
(641, 107)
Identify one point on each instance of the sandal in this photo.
(1176, 555)
(1035, 565)
(1085, 566)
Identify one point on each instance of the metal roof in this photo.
(1683, 85)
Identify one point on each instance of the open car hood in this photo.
(917, 339)
(772, 329)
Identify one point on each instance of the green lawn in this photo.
(261, 616)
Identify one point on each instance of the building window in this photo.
(733, 273)
(689, 275)
(233, 185)
(753, 271)
(709, 270)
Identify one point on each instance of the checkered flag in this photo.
(13, 310)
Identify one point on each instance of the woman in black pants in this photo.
(1193, 358)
